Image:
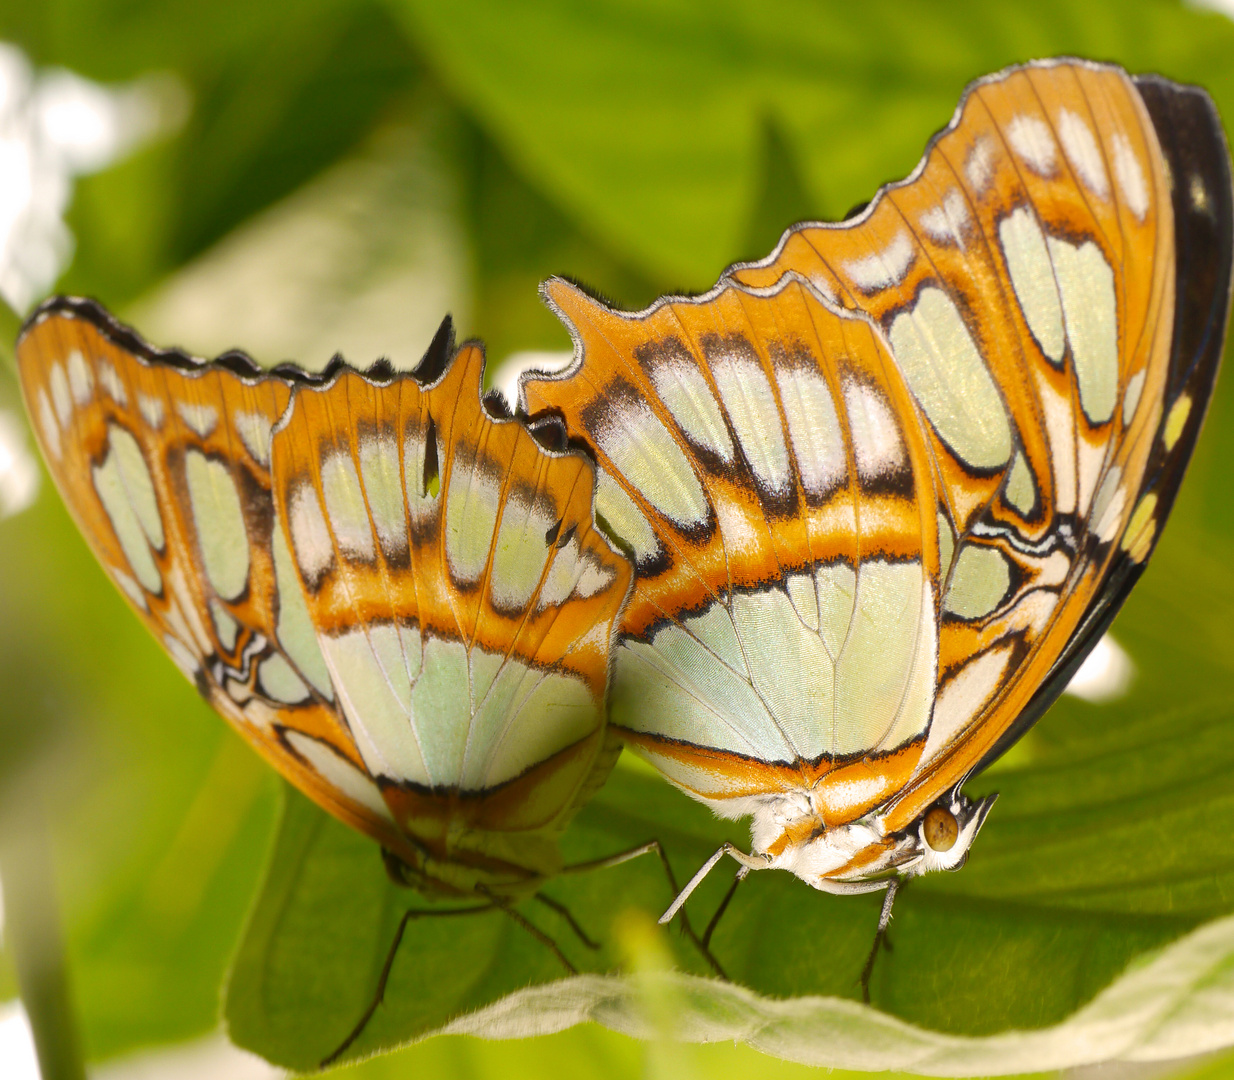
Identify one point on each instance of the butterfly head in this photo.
(945, 832)
(860, 856)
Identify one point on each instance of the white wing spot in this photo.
(683, 389)
(751, 406)
(130, 588)
(183, 657)
(151, 409)
(883, 268)
(1199, 194)
(48, 425)
(643, 451)
(109, 484)
(60, 394)
(1083, 152)
(81, 379)
(110, 380)
(200, 417)
(521, 551)
(1030, 138)
(279, 681)
(473, 500)
(813, 427)
(947, 222)
(1032, 278)
(948, 376)
(254, 431)
(309, 534)
(138, 484)
(1131, 396)
(379, 466)
(1130, 176)
(1090, 312)
(221, 534)
(876, 436)
(979, 582)
(624, 517)
(224, 625)
(339, 773)
(340, 484)
(979, 165)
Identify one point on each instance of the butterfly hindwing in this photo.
(462, 599)
(164, 462)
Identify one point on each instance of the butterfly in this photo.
(393, 590)
(884, 489)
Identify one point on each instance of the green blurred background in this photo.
(335, 175)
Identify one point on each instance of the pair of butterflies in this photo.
(818, 544)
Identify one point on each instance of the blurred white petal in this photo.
(17, 1056)
(1105, 674)
(506, 377)
(55, 125)
(19, 472)
(210, 1058)
(1225, 7)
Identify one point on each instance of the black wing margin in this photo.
(1193, 142)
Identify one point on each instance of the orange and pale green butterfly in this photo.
(391, 590)
(885, 489)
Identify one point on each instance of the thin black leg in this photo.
(647, 849)
(564, 912)
(384, 978)
(505, 906)
(728, 896)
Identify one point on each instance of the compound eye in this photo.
(941, 829)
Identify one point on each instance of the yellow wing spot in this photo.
(1141, 528)
(1176, 421)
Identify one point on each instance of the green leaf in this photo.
(1103, 848)
(646, 121)
(1176, 1004)
(327, 915)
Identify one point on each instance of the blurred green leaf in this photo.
(276, 93)
(159, 816)
(646, 120)
(364, 260)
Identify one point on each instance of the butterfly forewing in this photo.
(880, 485)
(463, 601)
(164, 462)
(1060, 188)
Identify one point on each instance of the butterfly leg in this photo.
(508, 908)
(380, 992)
(728, 896)
(647, 849)
(564, 912)
(880, 937)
